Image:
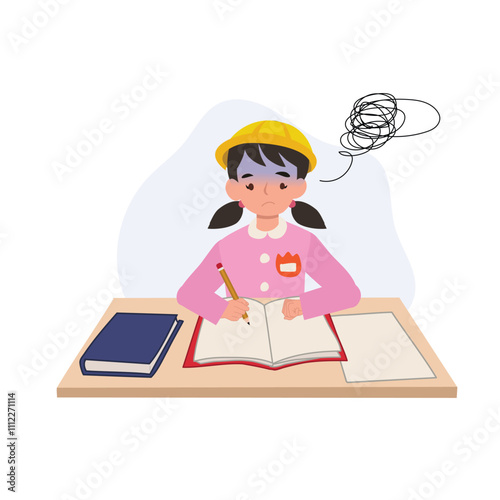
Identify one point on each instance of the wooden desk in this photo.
(324, 379)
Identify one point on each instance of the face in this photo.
(265, 190)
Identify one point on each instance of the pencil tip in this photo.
(248, 322)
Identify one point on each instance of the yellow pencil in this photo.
(230, 287)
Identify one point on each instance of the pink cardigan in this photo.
(270, 264)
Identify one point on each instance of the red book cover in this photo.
(189, 362)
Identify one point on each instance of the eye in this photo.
(283, 185)
(249, 186)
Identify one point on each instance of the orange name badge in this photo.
(288, 265)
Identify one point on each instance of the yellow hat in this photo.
(268, 132)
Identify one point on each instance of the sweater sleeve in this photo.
(198, 292)
(337, 289)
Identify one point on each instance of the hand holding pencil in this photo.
(237, 307)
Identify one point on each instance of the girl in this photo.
(267, 163)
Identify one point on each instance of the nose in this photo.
(265, 188)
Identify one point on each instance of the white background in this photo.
(58, 239)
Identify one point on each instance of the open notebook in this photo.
(270, 341)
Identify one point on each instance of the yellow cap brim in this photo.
(222, 150)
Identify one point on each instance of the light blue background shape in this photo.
(164, 234)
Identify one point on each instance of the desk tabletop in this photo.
(323, 379)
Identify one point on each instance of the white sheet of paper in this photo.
(378, 348)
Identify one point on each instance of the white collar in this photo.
(275, 233)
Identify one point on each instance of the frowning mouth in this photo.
(272, 202)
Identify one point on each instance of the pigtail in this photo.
(308, 216)
(226, 216)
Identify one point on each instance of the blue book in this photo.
(131, 345)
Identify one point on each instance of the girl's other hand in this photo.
(291, 308)
(235, 309)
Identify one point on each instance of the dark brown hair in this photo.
(231, 213)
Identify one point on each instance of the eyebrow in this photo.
(246, 175)
(283, 174)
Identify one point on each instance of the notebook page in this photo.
(299, 336)
(235, 340)
(378, 348)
